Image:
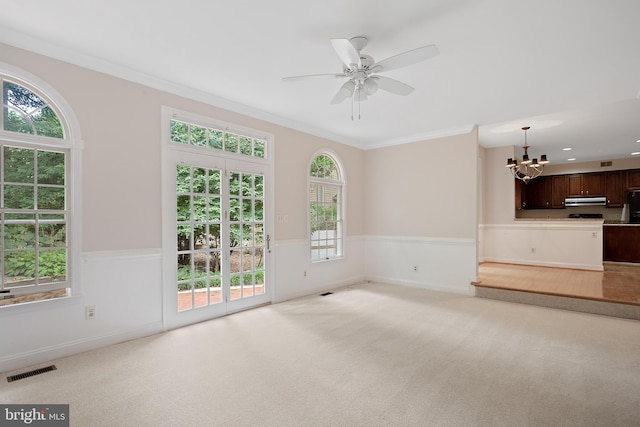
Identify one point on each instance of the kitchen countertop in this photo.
(619, 224)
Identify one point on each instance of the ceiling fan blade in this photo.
(408, 58)
(392, 85)
(313, 76)
(347, 53)
(339, 97)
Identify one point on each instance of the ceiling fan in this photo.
(362, 71)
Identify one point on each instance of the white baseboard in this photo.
(47, 354)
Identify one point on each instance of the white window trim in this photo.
(74, 143)
(343, 210)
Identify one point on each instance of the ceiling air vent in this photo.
(605, 164)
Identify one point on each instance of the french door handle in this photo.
(268, 243)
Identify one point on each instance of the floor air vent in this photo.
(325, 294)
(31, 373)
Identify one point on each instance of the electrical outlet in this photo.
(90, 312)
(594, 234)
(415, 268)
(305, 273)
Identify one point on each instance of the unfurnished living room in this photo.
(341, 213)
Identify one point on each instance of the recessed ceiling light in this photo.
(566, 149)
(638, 140)
(635, 153)
(571, 159)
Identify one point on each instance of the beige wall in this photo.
(423, 189)
(120, 123)
(498, 192)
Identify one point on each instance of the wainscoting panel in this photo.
(566, 244)
(432, 263)
(297, 276)
(124, 287)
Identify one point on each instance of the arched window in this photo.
(326, 187)
(35, 187)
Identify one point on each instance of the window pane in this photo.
(234, 235)
(19, 165)
(21, 98)
(183, 179)
(51, 168)
(184, 237)
(258, 210)
(50, 198)
(214, 181)
(52, 235)
(235, 261)
(234, 209)
(247, 214)
(184, 267)
(247, 235)
(214, 235)
(18, 197)
(47, 124)
(199, 208)
(247, 185)
(214, 263)
(199, 180)
(258, 148)
(179, 132)
(245, 146)
(259, 186)
(214, 209)
(234, 184)
(19, 268)
(216, 139)
(198, 136)
(200, 240)
(52, 266)
(16, 122)
(231, 142)
(184, 208)
(19, 236)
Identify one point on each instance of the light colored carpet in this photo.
(368, 355)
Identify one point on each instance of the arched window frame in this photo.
(325, 248)
(71, 144)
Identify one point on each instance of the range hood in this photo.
(585, 201)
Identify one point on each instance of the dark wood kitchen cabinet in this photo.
(620, 243)
(559, 191)
(614, 188)
(539, 193)
(586, 184)
(521, 195)
(633, 178)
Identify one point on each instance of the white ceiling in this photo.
(501, 62)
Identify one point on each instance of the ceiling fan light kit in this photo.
(527, 169)
(362, 71)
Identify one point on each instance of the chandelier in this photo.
(527, 169)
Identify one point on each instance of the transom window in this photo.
(325, 208)
(217, 139)
(26, 112)
(34, 213)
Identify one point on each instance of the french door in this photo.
(217, 256)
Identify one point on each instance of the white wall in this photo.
(563, 244)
